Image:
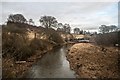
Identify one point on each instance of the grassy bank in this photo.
(23, 45)
(91, 61)
(15, 69)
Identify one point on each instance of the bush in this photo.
(107, 39)
(23, 53)
(54, 36)
(37, 44)
(16, 46)
(15, 43)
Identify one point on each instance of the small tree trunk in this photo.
(35, 36)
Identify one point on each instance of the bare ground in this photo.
(90, 61)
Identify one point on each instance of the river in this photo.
(52, 65)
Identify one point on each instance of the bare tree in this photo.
(76, 30)
(67, 28)
(81, 31)
(60, 25)
(48, 21)
(113, 28)
(107, 29)
(31, 22)
(17, 18)
(104, 29)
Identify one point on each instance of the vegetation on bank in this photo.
(106, 39)
(24, 42)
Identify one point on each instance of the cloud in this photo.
(78, 14)
(60, 0)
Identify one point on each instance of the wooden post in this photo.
(35, 36)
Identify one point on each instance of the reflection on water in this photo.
(52, 65)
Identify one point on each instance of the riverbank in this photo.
(23, 45)
(16, 69)
(52, 65)
(90, 61)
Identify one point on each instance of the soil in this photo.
(91, 61)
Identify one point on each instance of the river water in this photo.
(52, 65)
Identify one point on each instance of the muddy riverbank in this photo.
(90, 61)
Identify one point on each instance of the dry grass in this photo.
(11, 69)
(90, 61)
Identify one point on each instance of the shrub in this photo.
(54, 36)
(23, 53)
(15, 43)
(107, 39)
(38, 44)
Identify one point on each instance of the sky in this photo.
(84, 15)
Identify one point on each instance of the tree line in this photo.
(45, 21)
(107, 29)
(51, 22)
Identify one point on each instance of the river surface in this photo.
(52, 65)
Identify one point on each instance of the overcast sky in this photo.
(85, 15)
